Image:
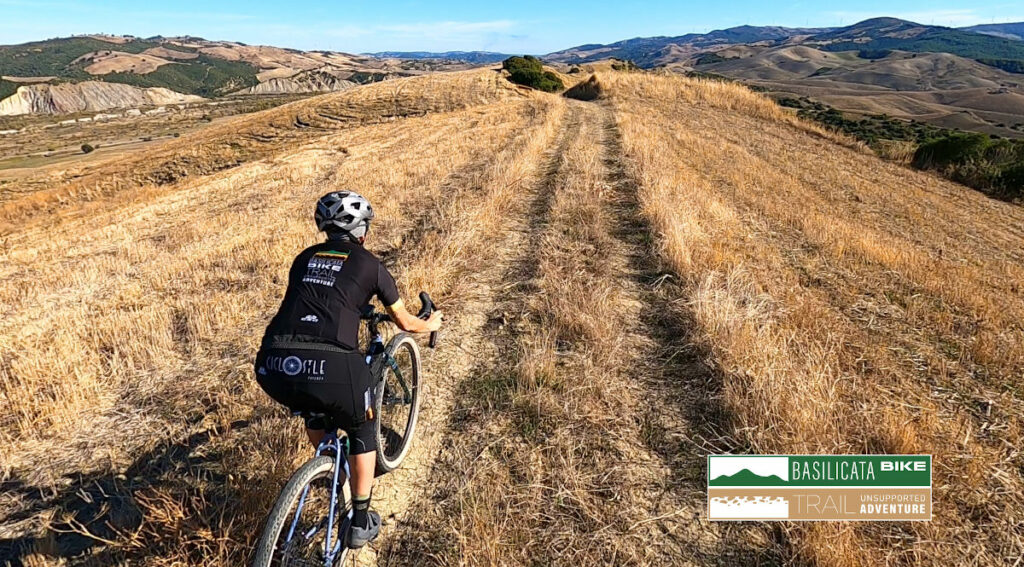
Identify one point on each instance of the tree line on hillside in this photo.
(204, 75)
(993, 164)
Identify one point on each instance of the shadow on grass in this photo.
(106, 505)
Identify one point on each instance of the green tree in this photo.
(529, 71)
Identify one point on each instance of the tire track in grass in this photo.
(484, 335)
(681, 416)
(460, 262)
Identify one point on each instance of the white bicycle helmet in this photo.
(344, 211)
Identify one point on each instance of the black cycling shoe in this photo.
(359, 536)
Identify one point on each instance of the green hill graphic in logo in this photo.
(748, 470)
(744, 477)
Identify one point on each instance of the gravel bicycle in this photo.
(300, 530)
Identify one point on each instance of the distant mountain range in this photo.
(966, 78)
(991, 45)
(653, 51)
(481, 57)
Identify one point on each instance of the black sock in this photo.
(360, 508)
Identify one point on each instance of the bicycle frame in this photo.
(377, 349)
(407, 395)
(330, 442)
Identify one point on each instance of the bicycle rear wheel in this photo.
(398, 401)
(281, 545)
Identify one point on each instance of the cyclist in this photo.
(309, 358)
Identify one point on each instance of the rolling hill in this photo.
(122, 60)
(877, 34)
(894, 70)
(947, 77)
(186, 65)
(939, 88)
(881, 34)
(655, 51)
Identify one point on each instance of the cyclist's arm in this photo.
(411, 323)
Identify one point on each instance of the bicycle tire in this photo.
(282, 511)
(387, 463)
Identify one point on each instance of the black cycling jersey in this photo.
(328, 285)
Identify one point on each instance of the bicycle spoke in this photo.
(306, 545)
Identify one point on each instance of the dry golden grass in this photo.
(899, 151)
(101, 63)
(552, 455)
(140, 323)
(850, 305)
(677, 268)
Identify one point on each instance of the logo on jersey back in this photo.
(310, 319)
(312, 369)
(324, 266)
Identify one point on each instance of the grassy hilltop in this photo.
(675, 268)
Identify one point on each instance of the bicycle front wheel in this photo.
(295, 532)
(398, 401)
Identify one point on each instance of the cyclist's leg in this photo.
(354, 413)
(363, 456)
(316, 427)
(363, 464)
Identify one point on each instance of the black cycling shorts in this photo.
(337, 384)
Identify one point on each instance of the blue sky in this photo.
(525, 26)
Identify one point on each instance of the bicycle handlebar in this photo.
(427, 307)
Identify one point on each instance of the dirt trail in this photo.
(465, 339)
(630, 285)
(575, 355)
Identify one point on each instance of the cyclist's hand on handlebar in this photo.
(434, 321)
(409, 322)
